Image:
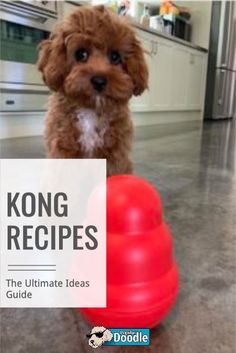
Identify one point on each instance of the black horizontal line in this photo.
(28, 269)
(29, 265)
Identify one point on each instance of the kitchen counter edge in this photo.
(168, 37)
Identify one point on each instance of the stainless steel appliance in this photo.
(23, 25)
(220, 100)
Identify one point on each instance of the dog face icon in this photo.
(98, 336)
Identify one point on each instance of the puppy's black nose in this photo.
(99, 83)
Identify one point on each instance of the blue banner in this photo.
(129, 337)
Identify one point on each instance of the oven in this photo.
(23, 25)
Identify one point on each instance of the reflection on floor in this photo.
(194, 170)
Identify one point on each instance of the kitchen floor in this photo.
(194, 169)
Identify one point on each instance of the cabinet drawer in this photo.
(23, 102)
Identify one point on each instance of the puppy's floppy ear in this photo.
(137, 68)
(52, 61)
(107, 336)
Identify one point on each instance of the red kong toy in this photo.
(142, 276)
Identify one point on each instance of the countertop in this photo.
(169, 37)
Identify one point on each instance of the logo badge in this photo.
(98, 336)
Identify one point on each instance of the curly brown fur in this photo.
(87, 119)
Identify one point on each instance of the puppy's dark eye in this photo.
(115, 58)
(81, 55)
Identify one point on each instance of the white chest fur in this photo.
(92, 130)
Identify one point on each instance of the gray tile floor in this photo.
(194, 170)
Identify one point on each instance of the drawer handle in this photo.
(10, 102)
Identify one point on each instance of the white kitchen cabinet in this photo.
(158, 57)
(188, 79)
(196, 80)
(177, 76)
(161, 65)
(179, 79)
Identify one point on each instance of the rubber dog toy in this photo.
(142, 275)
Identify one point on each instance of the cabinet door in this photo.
(158, 58)
(143, 102)
(196, 89)
(179, 80)
(161, 78)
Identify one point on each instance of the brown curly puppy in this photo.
(94, 64)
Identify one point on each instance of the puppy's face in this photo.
(94, 57)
